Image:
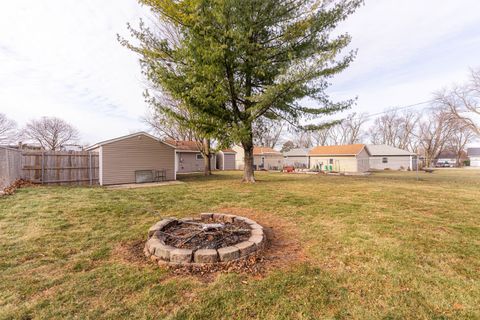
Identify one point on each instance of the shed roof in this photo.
(473, 152)
(386, 150)
(297, 152)
(343, 150)
(141, 133)
(258, 151)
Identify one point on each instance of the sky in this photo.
(62, 58)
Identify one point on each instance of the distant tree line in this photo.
(449, 123)
(48, 133)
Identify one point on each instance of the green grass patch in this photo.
(387, 246)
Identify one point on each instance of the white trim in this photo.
(99, 144)
(100, 166)
(175, 167)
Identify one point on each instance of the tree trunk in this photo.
(206, 158)
(248, 175)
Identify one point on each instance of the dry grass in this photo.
(380, 247)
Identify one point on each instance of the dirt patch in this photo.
(131, 252)
(282, 250)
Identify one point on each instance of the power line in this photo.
(398, 108)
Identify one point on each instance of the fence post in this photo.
(43, 166)
(90, 167)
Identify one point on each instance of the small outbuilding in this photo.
(384, 157)
(134, 158)
(297, 157)
(189, 156)
(226, 159)
(343, 158)
(264, 158)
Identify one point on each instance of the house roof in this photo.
(450, 155)
(296, 152)
(184, 145)
(386, 150)
(141, 133)
(257, 151)
(344, 150)
(191, 146)
(473, 152)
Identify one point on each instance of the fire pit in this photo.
(211, 238)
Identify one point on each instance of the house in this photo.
(343, 158)
(384, 157)
(297, 158)
(474, 156)
(448, 158)
(189, 158)
(226, 159)
(264, 158)
(137, 157)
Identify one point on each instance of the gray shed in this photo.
(297, 157)
(138, 157)
(384, 157)
(226, 159)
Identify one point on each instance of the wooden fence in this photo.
(60, 167)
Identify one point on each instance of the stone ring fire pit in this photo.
(211, 238)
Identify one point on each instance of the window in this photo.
(199, 156)
(330, 161)
(384, 160)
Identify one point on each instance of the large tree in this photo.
(434, 133)
(50, 132)
(237, 61)
(8, 129)
(169, 127)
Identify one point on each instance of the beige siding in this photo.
(239, 157)
(363, 161)
(119, 160)
(393, 162)
(187, 162)
(341, 164)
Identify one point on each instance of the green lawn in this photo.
(380, 247)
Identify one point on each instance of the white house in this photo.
(474, 156)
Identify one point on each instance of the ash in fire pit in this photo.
(211, 238)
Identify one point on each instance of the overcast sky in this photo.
(61, 58)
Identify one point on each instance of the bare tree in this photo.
(435, 130)
(395, 129)
(303, 139)
(460, 136)
(322, 137)
(267, 132)
(463, 102)
(166, 127)
(50, 132)
(8, 129)
(172, 121)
